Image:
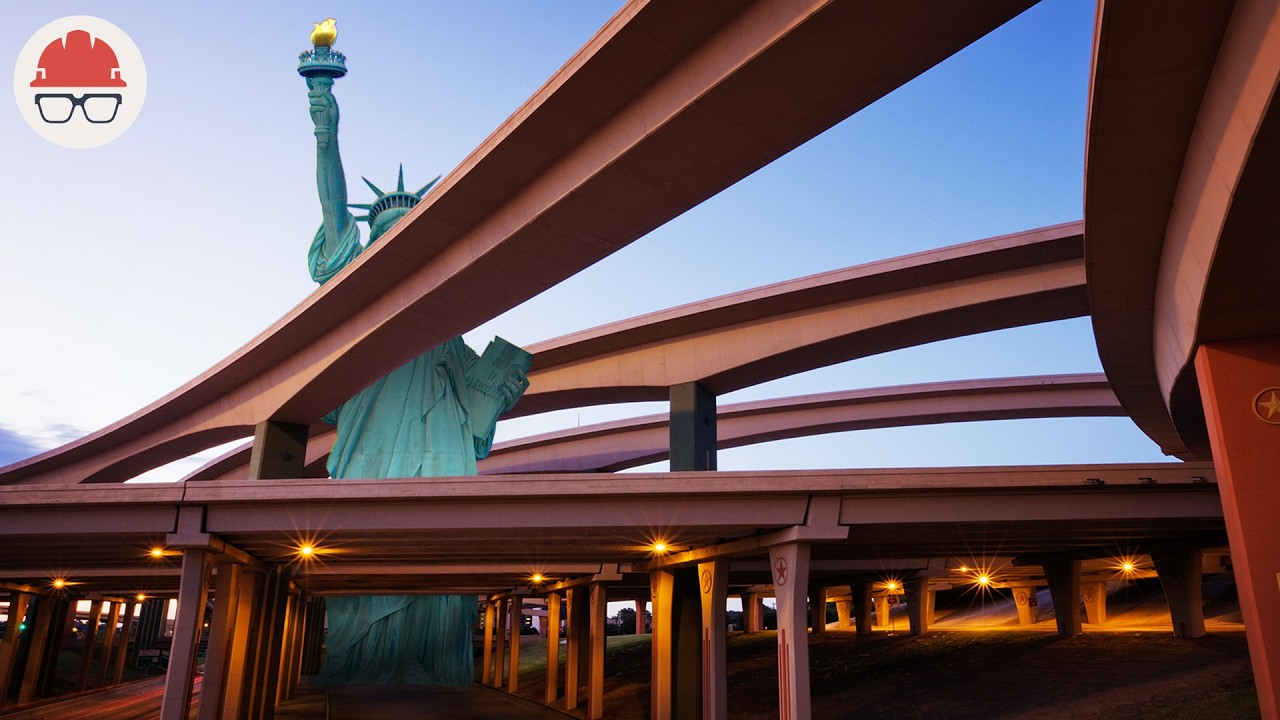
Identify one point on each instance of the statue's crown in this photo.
(399, 198)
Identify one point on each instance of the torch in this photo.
(322, 63)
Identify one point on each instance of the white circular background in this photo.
(78, 132)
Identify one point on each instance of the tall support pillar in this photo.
(516, 621)
(790, 564)
(267, 644)
(919, 604)
(860, 598)
(486, 664)
(676, 684)
(291, 662)
(279, 451)
(817, 607)
(639, 606)
(150, 622)
(713, 581)
(577, 647)
(217, 664)
(1063, 576)
(553, 648)
(692, 427)
(186, 634)
(90, 642)
(1240, 389)
(33, 673)
(500, 644)
(597, 612)
(18, 604)
(313, 640)
(752, 613)
(122, 645)
(1179, 570)
(60, 626)
(1094, 595)
(882, 611)
(109, 634)
(244, 632)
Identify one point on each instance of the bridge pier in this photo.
(919, 605)
(1024, 599)
(790, 564)
(1063, 576)
(1179, 569)
(1094, 595)
(1237, 390)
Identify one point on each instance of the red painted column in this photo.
(1240, 391)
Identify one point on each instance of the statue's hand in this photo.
(324, 108)
(514, 387)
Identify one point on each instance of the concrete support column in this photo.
(18, 604)
(713, 581)
(313, 642)
(244, 632)
(882, 610)
(266, 645)
(692, 427)
(33, 672)
(500, 644)
(844, 613)
(486, 664)
(1024, 599)
(676, 684)
(63, 610)
(1094, 595)
(817, 607)
(598, 614)
(226, 594)
(640, 624)
(578, 646)
(289, 647)
(1239, 387)
(279, 451)
(790, 564)
(752, 613)
(150, 623)
(516, 622)
(90, 642)
(1063, 577)
(553, 648)
(122, 645)
(109, 634)
(919, 604)
(860, 599)
(187, 626)
(1180, 577)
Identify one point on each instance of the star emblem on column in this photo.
(780, 571)
(1267, 405)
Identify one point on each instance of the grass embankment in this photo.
(956, 675)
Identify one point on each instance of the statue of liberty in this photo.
(433, 416)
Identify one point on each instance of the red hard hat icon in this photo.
(78, 60)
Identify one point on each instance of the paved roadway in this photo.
(141, 701)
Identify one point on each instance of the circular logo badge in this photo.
(1267, 405)
(79, 82)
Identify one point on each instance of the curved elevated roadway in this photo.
(766, 333)
(659, 111)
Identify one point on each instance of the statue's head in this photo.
(390, 206)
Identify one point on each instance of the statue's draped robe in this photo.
(414, 422)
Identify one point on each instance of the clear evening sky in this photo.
(131, 268)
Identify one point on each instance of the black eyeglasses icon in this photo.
(57, 108)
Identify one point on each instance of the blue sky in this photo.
(133, 267)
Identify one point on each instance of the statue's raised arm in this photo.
(335, 249)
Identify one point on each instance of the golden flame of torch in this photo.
(325, 33)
